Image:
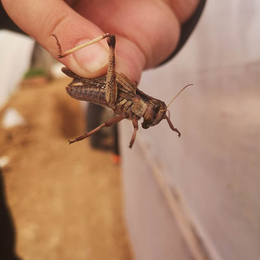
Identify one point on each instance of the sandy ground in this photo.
(65, 200)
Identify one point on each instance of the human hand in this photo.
(147, 31)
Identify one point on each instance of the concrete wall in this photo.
(197, 197)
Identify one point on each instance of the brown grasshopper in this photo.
(116, 91)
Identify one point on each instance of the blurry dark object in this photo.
(7, 231)
(105, 139)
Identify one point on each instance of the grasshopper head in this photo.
(156, 111)
(154, 114)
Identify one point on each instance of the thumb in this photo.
(40, 19)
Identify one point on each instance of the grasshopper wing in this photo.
(126, 87)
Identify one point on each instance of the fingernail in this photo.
(92, 60)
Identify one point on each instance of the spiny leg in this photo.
(171, 126)
(109, 122)
(111, 86)
(135, 124)
(79, 46)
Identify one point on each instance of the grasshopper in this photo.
(116, 91)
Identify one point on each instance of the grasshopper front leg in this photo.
(135, 125)
(111, 86)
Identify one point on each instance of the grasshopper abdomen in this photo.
(87, 92)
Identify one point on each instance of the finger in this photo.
(183, 8)
(40, 19)
(150, 25)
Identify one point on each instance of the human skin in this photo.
(147, 31)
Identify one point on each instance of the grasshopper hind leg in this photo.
(110, 122)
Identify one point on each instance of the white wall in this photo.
(16, 50)
(212, 173)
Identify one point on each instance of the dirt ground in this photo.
(65, 200)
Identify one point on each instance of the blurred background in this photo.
(65, 201)
(56, 201)
(194, 197)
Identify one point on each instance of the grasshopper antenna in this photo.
(179, 94)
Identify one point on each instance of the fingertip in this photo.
(85, 64)
(90, 62)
